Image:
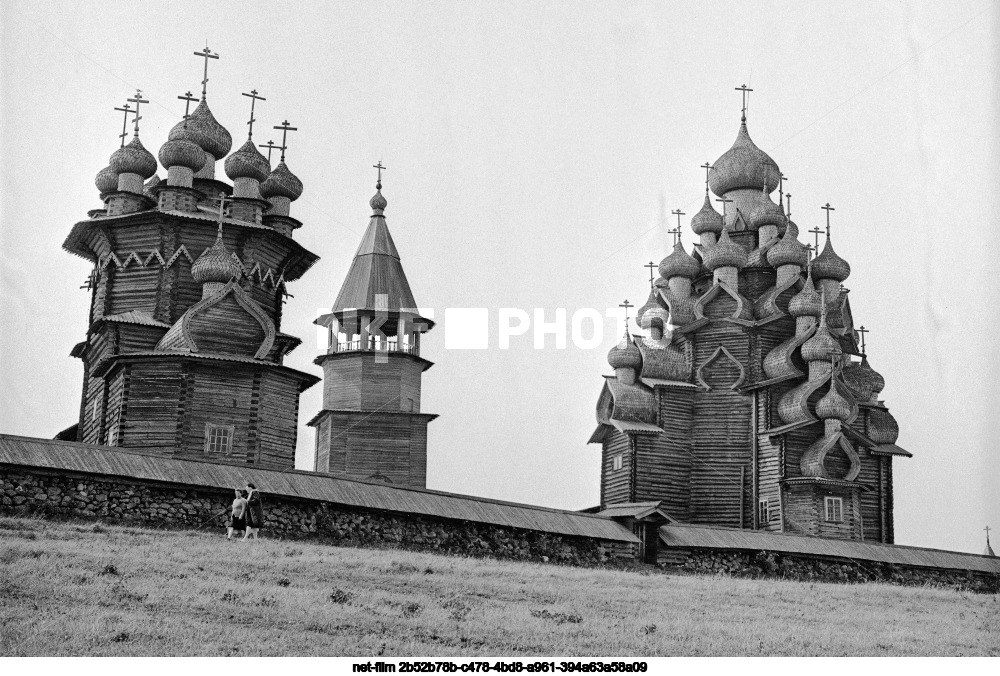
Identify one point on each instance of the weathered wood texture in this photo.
(616, 484)
(372, 381)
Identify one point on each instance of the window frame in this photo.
(617, 461)
(230, 435)
(763, 511)
(833, 509)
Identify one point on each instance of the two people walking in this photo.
(247, 514)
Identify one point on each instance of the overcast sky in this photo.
(532, 149)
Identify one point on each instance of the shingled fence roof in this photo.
(693, 537)
(102, 460)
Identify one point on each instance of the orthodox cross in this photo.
(811, 249)
(127, 110)
(137, 101)
(746, 90)
(676, 232)
(817, 231)
(222, 209)
(205, 54)
(987, 529)
(253, 100)
(781, 187)
(270, 146)
(678, 213)
(187, 106)
(826, 207)
(724, 202)
(652, 267)
(707, 167)
(380, 168)
(626, 305)
(863, 331)
(285, 128)
(788, 198)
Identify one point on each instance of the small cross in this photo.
(127, 110)
(863, 331)
(253, 101)
(270, 146)
(788, 198)
(826, 207)
(205, 54)
(781, 186)
(678, 213)
(724, 202)
(137, 101)
(676, 232)
(811, 249)
(222, 199)
(652, 268)
(817, 231)
(379, 166)
(707, 167)
(746, 90)
(987, 529)
(285, 128)
(626, 305)
(187, 106)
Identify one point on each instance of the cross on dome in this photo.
(187, 105)
(826, 207)
(254, 98)
(724, 202)
(127, 109)
(626, 305)
(652, 266)
(817, 231)
(746, 90)
(270, 146)
(285, 128)
(205, 54)
(707, 167)
(380, 167)
(137, 101)
(863, 331)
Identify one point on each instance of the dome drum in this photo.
(280, 206)
(245, 186)
(129, 182)
(180, 177)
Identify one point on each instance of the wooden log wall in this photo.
(616, 484)
(359, 381)
(722, 433)
(663, 463)
(768, 463)
(225, 327)
(151, 419)
(363, 445)
(279, 414)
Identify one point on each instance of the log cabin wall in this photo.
(664, 461)
(616, 484)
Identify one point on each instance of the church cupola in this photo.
(806, 306)
(133, 164)
(821, 348)
(215, 267)
(789, 255)
(707, 223)
(182, 159)
(829, 269)
(626, 359)
(679, 268)
(767, 218)
(725, 259)
(743, 166)
(247, 168)
(833, 405)
(106, 180)
(201, 127)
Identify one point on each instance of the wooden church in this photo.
(748, 403)
(183, 354)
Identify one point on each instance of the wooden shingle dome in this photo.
(679, 264)
(281, 183)
(725, 253)
(828, 265)
(625, 355)
(743, 166)
(707, 219)
(182, 153)
(247, 162)
(789, 251)
(133, 159)
(202, 128)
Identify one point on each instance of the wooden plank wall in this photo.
(721, 435)
(151, 405)
(664, 462)
(226, 328)
(321, 462)
(768, 462)
(364, 444)
(278, 413)
(616, 485)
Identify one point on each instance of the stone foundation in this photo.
(117, 500)
(824, 569)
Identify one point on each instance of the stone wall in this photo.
(114, 499)
(825, 569)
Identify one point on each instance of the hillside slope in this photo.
(70, 589)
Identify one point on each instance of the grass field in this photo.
(72, 589)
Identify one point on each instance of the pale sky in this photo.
(529, 148)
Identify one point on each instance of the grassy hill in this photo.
(71, 589)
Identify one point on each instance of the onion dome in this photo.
(806, 303)
(822, 345)
(182, 153)
(215, 265)
(134, 159)
(281, 183)
(765, 212)
(789, 251)
(743, 166)
(707, 220)
(882, 427)
(377, 202)
(864, 380)
(652, 303)
(247, 162)
(828, 265)
(625, 354)
(725, 253)
(202, 128)
(679, 264)
(106, 180)
(833, 404)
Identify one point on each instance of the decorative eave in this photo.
(761, 384)
(651, 512)
(822, 481)
(300, 259)
(785, 429)
(388, 353)
(890, 449)
(316, 418)
(136, 317)
(306, 380)
(657, 382)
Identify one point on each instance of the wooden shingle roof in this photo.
(102, 460)
(685, 536)
(375, 270)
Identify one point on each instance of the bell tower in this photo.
(371, 426)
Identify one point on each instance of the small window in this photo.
(763, 514)
(93, 410)
(834, 509)
(219, 439)
(113, 436)
(616, 462)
